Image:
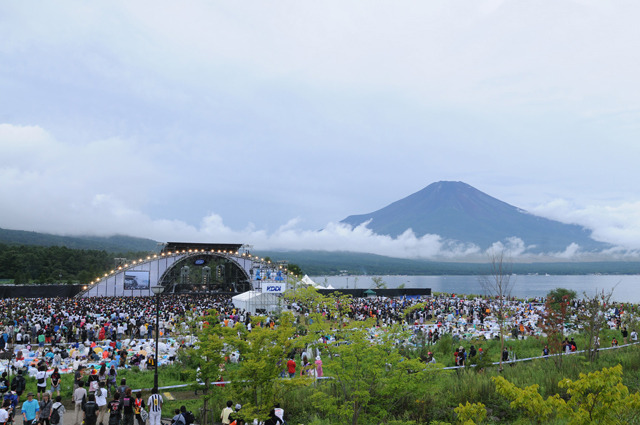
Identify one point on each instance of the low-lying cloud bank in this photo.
(95, 188)
(113, 218)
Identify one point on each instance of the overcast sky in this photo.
(263, 122)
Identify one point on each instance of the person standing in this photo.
(90, 409)
(5, 412)
(41, 378)
(30, 410)
(101, 401)
(77, 377)
(138, 405)
(319, 371)
(226, 412)
(114, 410)
(93, 381)
(18, 384)
(127, 407)
(55, 381)
(57, 412)
(112, 379)
(155, 407)
(12, 400)
(79, 395)
(291, 367)
(45, 409)
(122, 389)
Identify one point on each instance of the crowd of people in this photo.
(95, 337)
(90, 407)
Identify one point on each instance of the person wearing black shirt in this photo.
(90, 409)
(115, 410)
(127, 403)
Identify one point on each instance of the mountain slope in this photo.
(457, 211)
(117, 243)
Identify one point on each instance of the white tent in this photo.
(255, 300)
(307, 281)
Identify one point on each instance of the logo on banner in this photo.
(274, 288)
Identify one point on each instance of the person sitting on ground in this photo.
(178, 419)
(188, 416)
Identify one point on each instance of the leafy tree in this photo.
(378, 283)
(561, 295)
(498, 283)
(263, 357)
(373, 382)
(295, 269)
(592, 317)
(555, 316)
(208, 355)
(597, 397)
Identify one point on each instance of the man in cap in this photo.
(30, 410)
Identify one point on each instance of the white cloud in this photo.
(616, 224)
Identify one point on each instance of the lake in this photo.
(627, 287)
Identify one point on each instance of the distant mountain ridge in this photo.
(460, 213)
(116, 243)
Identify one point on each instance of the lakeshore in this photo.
(626, 288)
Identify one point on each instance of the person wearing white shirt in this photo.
(4, 414)
(154, 403)
(101, 400)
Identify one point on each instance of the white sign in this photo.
(273, 287)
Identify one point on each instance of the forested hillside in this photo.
(55, 264)
(116, 243)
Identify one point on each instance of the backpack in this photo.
(18, 383)
(90, 409)
(114, 420)
(55, 416)
(189, 417)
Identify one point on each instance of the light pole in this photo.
(157, 290)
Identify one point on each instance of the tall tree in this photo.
(498, 284)
(263, 353)
(208, 355)
(593, 318)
